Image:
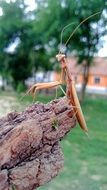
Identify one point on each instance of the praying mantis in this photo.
(66, 77)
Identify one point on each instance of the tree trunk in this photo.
(30, 154)
(85, 81)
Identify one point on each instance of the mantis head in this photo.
(61, 59)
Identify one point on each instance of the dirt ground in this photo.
(8, 104)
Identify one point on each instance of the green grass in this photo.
(85, 166)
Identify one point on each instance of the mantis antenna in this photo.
(65, 27)
(76, 27)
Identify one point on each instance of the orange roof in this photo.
(99, 66)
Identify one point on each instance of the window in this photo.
(97, 80)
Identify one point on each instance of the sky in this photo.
(103, 51)
(31, 3)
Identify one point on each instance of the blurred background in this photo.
(32, 32)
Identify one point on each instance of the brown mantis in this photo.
(67, 78)
(70, 92)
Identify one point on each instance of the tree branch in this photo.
(30, 154)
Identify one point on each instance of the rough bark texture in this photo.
(30, 154)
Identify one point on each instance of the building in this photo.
(97, 82)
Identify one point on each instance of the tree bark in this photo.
(30, 154)
(85, 81)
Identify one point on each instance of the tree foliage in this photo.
(16, 27)
(38, 34)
